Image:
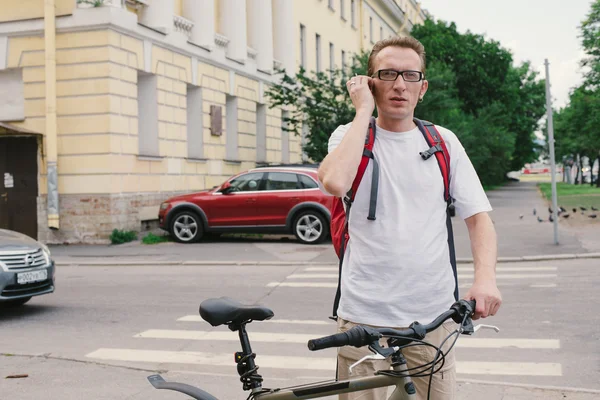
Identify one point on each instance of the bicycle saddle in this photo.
(228, 311)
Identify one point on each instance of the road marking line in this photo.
(508, 368)
(460, 276)
(312, 276)
(309, 363)
(549, 285)
(275, 337)
(302, 284)
(197, 318)
(460, 269)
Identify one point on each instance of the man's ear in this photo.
(424, 87)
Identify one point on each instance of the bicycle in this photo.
(228, 311)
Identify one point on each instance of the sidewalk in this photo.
(53, 378)
(519, 239)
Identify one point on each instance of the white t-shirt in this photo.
(397, 268)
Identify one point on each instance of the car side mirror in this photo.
(226, 188)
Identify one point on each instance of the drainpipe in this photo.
(51, 126)
(360, 24)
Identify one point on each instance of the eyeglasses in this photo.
(392, 75)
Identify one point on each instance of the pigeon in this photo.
(583, 208)
(550, 210)
(592, 215)
(540, 220)
(574, 210)
(550, 218)
(562, 209)
(534, 212)
(594, 208)
(521, 216)
(565, 215)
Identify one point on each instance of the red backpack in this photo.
(339, 214)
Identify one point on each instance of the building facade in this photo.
(109, 107)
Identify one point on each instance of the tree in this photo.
(590, 35)
(474, 90)
(318, 100)
(484, 75)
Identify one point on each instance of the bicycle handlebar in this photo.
(363, 335)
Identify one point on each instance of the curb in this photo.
(102, 262)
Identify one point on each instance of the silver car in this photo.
(26, 268)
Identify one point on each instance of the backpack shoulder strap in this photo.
(366, 156)
(439, 149)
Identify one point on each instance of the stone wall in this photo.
(90, 219)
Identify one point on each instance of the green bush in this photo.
(151, 238)
(118, 236)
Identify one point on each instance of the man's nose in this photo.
(399, 83)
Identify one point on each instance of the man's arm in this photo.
(484, 249)
(338, 169)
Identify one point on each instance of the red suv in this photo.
(261, 200)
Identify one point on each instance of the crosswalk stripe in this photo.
(302, 284)
(460, 269)
(508, 368)
(197, 318)
(273, 337)
(309, 363)
(460, 276)
(334, 284)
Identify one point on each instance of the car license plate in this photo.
(32, 276)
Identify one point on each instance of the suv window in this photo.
(281, 181)
(307, 182)
(247, 182)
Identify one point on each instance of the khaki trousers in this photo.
(443, 383)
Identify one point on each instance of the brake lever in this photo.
(365, 358)
(483, 326)
(381, 353)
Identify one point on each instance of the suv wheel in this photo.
(310, 227)
(186, 227)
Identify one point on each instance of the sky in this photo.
(532, 30)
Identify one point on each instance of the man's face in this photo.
(397, 99)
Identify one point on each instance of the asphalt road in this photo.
(106, 328)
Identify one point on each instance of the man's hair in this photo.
(407, 42)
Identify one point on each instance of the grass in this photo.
(573, 195)
(151, 238)
(120, 237)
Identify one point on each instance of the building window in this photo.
(343, 9)
(261, 132)
(353, 13)
(371, 29)
(318, 51)
(147, 115)
(302, 46)
(231, 126)
(331, 58)
(195, 126)
(285, 137)
(343, 61)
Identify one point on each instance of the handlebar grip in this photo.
(337, 340)
(358, 336)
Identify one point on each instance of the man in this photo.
(396, 268)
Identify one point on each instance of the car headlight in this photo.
(46, 251)
(164, 206)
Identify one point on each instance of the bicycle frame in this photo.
(315, 391)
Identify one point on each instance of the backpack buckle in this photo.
(425, 155)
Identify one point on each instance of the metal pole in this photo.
(551, 147)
